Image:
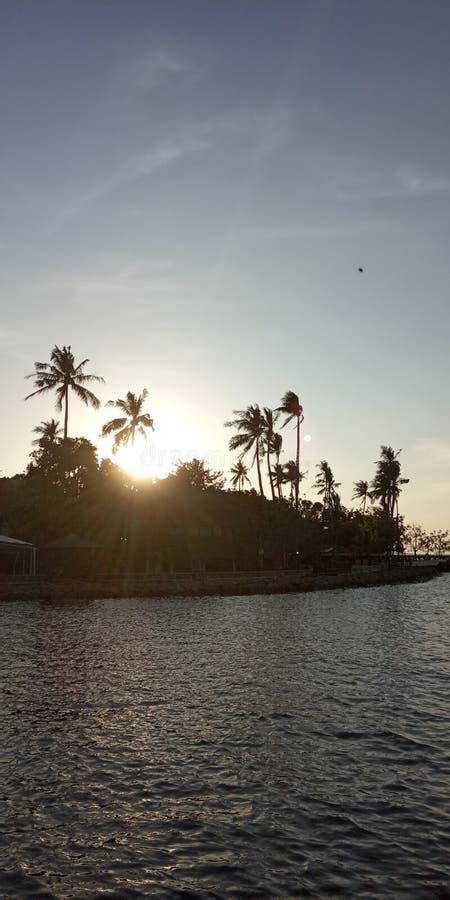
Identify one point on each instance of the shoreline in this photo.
(224, 584)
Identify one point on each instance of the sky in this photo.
(188, 190)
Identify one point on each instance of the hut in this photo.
(17, 558)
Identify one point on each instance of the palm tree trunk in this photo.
(66, 412)
(272, 489)
(297, 463)
(280, 491)
(258, 468)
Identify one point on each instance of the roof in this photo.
(7, 541)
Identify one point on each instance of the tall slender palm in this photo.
(326, 487)
(133, 420)
(270, 418)
(277, 471)
(362, 493)
(250, 426)
(61, 374)
(386, 485)
(278, 478)
(291, 476)
(240, 475)
(49, 432)
(290, 404)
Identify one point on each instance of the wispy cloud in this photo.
(131, 279)
(417, 183)
(327, 231)
(407, 182)
(194, 138)
(151, 69)
(142, 165)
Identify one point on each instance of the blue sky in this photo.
(187, 192)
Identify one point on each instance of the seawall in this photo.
(210, 583)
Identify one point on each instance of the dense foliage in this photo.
(87, 515)
(187, 521)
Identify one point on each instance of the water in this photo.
(227, 747)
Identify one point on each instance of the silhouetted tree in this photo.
(362, 493)
(134, 420)
(62, 375)
(291, 475)
(250, 426)
(240, 475)
(277, 471)
(290, 404)
(196, 474)
(278, 478)
(326, 487)
(439, 541)
(270, 417)
(386, 485)
(70, 465)
(415, 538)
(49, 432)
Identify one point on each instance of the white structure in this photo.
(23, 553)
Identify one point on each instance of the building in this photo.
(17, 558)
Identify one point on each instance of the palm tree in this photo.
(362, 493)
(134, 420)
(49, 432)
(386, 485)
(290, 476)
(278, 478)
(290, 404)
(240, 476)
(270, 418)
(61, 375)
(277, 471)
(326, 487)
(250, 425)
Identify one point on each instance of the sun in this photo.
(157, 456)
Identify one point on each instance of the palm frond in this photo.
(88, 398)
(113, 425)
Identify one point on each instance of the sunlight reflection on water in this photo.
(251, 746)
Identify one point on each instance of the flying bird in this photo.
(360, 270)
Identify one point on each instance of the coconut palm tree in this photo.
(240, 475)
(250, 425)
(362, 493)
(133, 420)
(290, 404)
(270, 418)
(277, 471)
(326, 487)
(49, 432)
(278, 478)
(61, 374)
(292, 476)
(386, 485)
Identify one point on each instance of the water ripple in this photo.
(288, 746)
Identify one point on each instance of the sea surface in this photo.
(276, 746)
